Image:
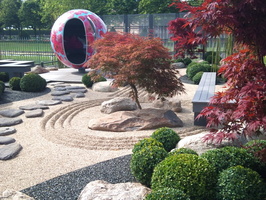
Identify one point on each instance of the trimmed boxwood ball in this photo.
(167, 136)
(226, 157)
(190, 173)
(146, 142)
(143, 162)
(86, 80)
(183, 151)
(200, 67)
(187, 61)
(167, 194)
(3, 87)
(14, 83)
(196, 79)
(240, 183)
(32, 83)
(4, 76)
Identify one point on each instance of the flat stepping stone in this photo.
(79, 95)
(74, 87)
(6, 140)
(34, 113)
(10, 151)
(11, 112)
(59, 93)
(56, 83)
(64, 98)
(33, 107)
(77, 90)
(9, 121)
(48, 102)
(7, 130)
(60, 89)
(61, 85)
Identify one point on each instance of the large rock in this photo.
(103, 86)
(38, 70)
(118, 104)
(10, 151)
(14, 195)
(102, 190)
(136, 120)
(178, 65)
(169, 104)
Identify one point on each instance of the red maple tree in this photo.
(241, 108)
(137, 61)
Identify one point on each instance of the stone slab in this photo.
(63, 98)
(11, 112)
(48, 102)
(79, 95)
(33, 107)
(10, 151)
(34, 113)
(7, 131)
(77, 90)
(59, 93)
(9, 121)
(6, 140)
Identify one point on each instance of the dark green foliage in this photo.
(143, 162)
(167, 194)
(2, 87)
(183, 151)
(196, 79)
(226, 157)
(32, 83)
(86, 80)
(179, 60)
(189, 67)
(198, 68)
(4, 76)
(14, 83)
(187, 61)
(254, 146)
(167, 136)
(99, 79)
(190, 173)
(146, 142)
(240, 183)
(209, 53)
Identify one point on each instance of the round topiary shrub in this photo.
(146, 142)
(100, 79)
(255, 146)
(189, 67)
(167, 136)
(226, 157)
(32, 83)
(3, 87)
(183, 151)
(187, 172)
(198, 68)
(187, 61)
(196, 79)
(86, 80)
(240, 183)
(14, 83)
(167, 194)
(4, 76)
(143, 162)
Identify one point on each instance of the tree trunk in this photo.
(135, 95)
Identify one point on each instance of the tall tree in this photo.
(29, 14)
(118, 7)
(156, 6)
(241, 109)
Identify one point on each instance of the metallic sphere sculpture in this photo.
(72, 34)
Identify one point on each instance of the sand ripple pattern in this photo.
(56, 127)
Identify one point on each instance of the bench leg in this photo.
(199, 122)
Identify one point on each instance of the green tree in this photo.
(117, 7)
(156, 6)
(9, 14)
(29, 14)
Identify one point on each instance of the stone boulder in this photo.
(144, 119)
(9, 151)
(118, 104)
(102, 190)
(38, 70)
(104, 86)
(14, 195)
(178, 65)
(168, 104)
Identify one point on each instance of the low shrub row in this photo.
(227, 173)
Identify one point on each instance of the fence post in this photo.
(151, 26)
(126, 22)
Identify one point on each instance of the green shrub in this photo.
(3, 87)
(187, 172)
(167, 194)
(4, 76)
(189, 67)
(100, 79)
(143, 162)
(187, 61)
(14, 83)
(254, 146)
(167, 136)
(146, 142)
(209, 53)
(240, 183)
(183, 151)
(86, 80)
(211, 59)
(196, 79)
(226, 157)
(32, 83)
(179, 60)
(198, 68)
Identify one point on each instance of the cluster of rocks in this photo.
(9, 148)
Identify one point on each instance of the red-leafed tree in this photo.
(241, 108)
(137, 61)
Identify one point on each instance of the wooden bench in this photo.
(201, 99)
(15, 68)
